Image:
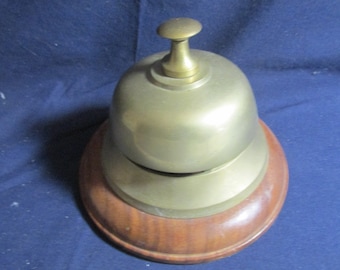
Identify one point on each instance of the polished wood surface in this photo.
(183, 241)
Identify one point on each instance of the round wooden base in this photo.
(183, 241)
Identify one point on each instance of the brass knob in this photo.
(179, 63)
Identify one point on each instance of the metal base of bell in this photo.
(183, 240)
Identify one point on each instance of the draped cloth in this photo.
(59, 64)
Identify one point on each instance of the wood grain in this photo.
(183, 241)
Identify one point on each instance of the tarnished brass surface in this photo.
(187, 195)
(179, 63)
(179, 28)
(184, 139)
(201, 126)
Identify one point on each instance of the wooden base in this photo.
(183, 241)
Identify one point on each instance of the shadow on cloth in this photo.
(64, 141)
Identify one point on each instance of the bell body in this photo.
(186, 148)
(188, 127)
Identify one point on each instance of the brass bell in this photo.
(183, 171)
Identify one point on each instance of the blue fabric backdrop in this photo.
(59, 64)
